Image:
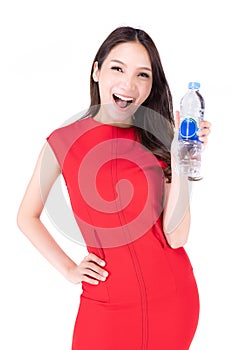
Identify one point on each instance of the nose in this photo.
(128, 82)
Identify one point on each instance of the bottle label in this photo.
(188, 130)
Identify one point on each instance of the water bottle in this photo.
(192, 106)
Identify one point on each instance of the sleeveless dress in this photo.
(149, 301)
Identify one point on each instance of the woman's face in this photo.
(125, 81)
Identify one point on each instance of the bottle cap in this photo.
(194, 85)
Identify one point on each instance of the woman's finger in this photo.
(177, 120)
(89, 280)
(204, 124)
(203, 133)
(94, 274)
(95, 258)
(94, 267)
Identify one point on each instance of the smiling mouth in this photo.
(122, 101)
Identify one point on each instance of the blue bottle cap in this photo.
(194, 85)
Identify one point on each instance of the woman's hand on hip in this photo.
(89, 270)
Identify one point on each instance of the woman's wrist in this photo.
(68, 269)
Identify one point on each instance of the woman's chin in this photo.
(117, 114)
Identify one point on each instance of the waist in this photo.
(143, 268)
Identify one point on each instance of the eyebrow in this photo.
(118, 61)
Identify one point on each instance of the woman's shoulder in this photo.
(69, 129)
(62, 138)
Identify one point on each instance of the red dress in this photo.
(149, 300)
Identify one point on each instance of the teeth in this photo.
(124, 98)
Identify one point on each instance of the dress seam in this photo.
(141, 282)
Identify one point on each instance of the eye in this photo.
(118, 69)
(144, 75)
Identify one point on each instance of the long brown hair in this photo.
(154, 120)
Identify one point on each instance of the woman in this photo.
(139, 291)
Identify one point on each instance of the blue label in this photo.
(188, 130)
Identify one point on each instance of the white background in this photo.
(47, 48)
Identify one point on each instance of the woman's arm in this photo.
(28, 218)
(46, 172)
(176, 215)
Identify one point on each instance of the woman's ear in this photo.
(95, 73)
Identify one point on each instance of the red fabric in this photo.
(150, 300)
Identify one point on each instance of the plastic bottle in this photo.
(192, 108)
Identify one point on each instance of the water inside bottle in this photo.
(189, 156)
